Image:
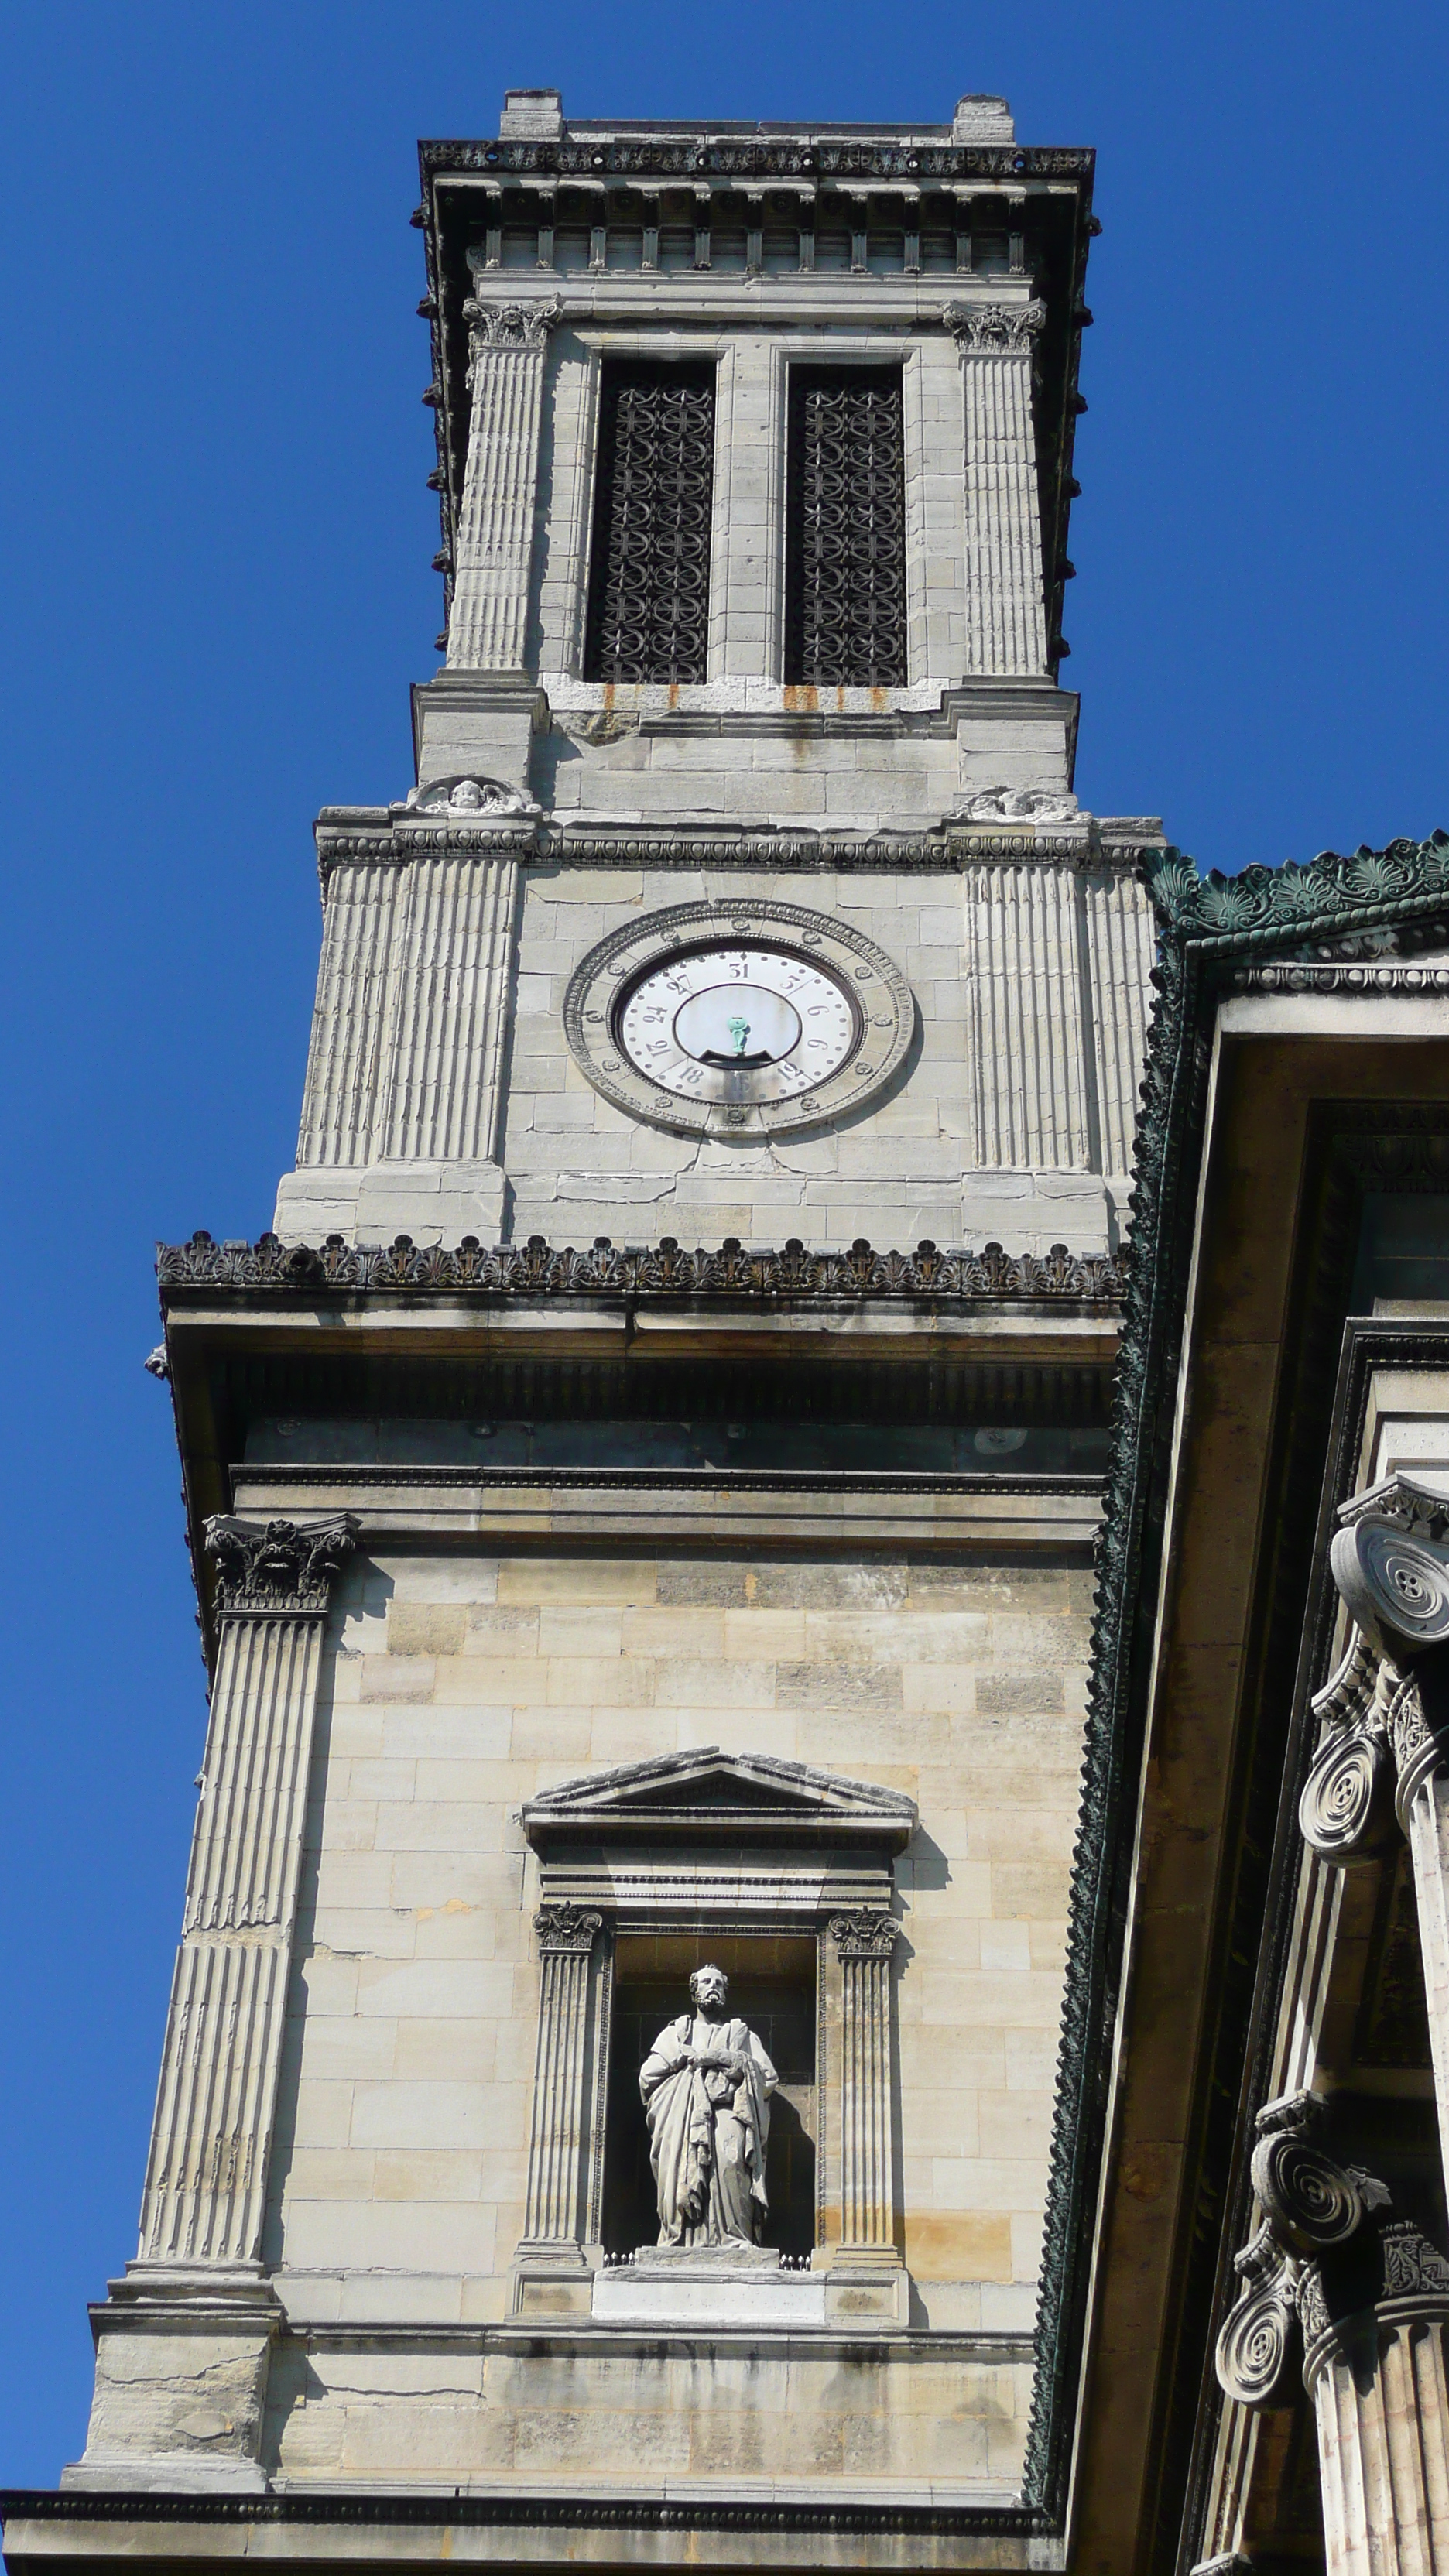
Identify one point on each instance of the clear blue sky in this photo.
(216, 548)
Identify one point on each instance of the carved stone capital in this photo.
(566, 1930)
(995, 330)
(278, 1569)
(864, 1934)
(509, 326)
(1315, 2211)
(1390, 1562)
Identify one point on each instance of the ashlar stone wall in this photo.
(458, 1688)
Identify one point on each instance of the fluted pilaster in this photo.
(864, 1942)
(487, 630)
(1031, 1104)
(1006, 618)
(558, 2133)
(443, 1091)
(346, 1058)
(1120, 946)
(205, 2195)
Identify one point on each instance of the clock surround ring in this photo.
(598, 990)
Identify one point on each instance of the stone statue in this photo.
(706, 2084)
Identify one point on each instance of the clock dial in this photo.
(748, 1022)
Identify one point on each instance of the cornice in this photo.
(532, 2509)
(644, 1272)
(373, 839)
(689, 159)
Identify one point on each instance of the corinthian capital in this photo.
(866, 1933)
(994, 330)
(566, 1929)
(509, 326)
(278, 1569)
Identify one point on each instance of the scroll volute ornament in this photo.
(1313, 2206)
(1390, 1563)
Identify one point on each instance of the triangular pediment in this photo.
(707, 1792)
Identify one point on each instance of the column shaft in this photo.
(1428, 1829)
(1381, 2415)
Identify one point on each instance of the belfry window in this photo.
(845, 568)
(649, 582)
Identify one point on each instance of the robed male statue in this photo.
(706, 2084)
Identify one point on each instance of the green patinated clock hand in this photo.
(739, 1030)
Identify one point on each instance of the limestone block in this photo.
(180, 2401)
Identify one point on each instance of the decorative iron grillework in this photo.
(845, 578)
(649, 589)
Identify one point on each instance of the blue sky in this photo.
(216, 547)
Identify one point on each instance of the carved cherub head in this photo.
(709, 1987)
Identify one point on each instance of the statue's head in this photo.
(709, 1987)
(467, 796)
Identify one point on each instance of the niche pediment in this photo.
(707, 1796)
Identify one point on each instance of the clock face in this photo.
(738, 1017)
(748, 1022)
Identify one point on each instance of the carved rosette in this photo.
(995, 330)
(278, 1569)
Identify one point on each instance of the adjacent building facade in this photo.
(738, 2000)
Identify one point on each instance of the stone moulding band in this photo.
(527, 2510)
(535, 1269)
(922, 853)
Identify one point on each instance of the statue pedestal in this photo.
(740, 2285)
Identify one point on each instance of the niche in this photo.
(772, 1987)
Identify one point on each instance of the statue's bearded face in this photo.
(709, 1987)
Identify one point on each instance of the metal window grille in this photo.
(649, 584)
(845, 559)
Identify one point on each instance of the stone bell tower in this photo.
(610, 2057)
(755, 467)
